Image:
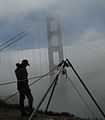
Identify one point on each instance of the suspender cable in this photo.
(25, 31)
(10, 97)
(53, 89)
(46, 74)
(97, 51)
(81, 97)
(18, 92)
(22, 35)
(91, 96)
(12, 39)
(98, 48)
(30, 84)
(43, 98)
(11, 82)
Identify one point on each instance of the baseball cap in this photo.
(25, 62)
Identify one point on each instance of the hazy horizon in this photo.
(92, 74)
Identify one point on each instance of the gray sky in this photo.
(83, 20)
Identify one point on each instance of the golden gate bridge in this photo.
(43, 59)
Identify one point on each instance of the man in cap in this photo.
(23, 87)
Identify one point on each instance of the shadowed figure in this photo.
(23, 87)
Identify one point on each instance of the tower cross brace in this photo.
(55, 47)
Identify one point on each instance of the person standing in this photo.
(23, 87)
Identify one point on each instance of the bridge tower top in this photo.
(55, 47)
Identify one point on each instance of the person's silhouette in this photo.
(23, 87)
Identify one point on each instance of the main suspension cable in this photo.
(46, 93)
(20, 36)
(81, 96)
(11, 82)
(12, 39)
(30, 84)
(87, 90)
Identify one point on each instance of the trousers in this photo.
(22, 94)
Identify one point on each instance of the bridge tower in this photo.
(55, 47)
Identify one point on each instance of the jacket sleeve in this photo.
(22, 77)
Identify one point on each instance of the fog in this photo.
(86, 59)
(83, 35)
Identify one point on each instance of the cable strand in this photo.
(20, 37)
(30, 84)
(81, 97)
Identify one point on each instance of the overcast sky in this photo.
(82, 20)
(83, 29)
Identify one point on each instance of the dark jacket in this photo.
(22, 77)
